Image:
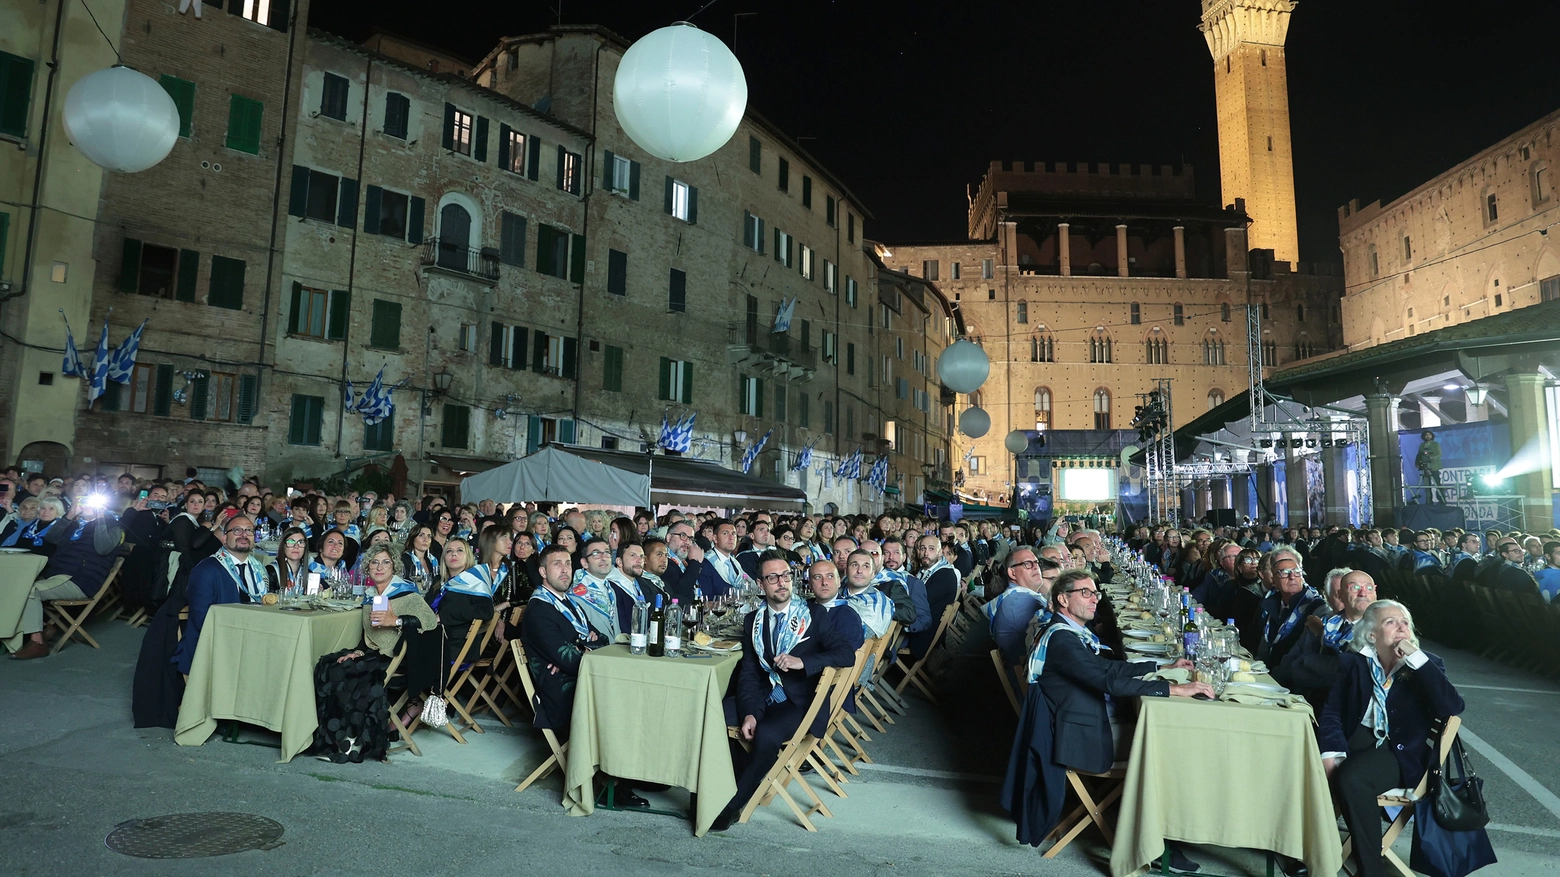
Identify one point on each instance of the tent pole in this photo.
(650, 485)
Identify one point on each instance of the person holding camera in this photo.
(1428, 461)
(85, 542)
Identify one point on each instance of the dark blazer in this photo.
(1272, 614)
(209, 586)
(831, 641)
(550, 638)
(1417, 697)
(1075, 682)
(681, 580)
(709, 580)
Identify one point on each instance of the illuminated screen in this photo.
(1087, 484)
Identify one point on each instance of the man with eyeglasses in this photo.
(684, 561)
(1070, 715)
(594, 593)
(787, 643)
(1421, 560)
(1009, 613)
(1312, 665)
(1503, 570)
(1464, 561)
(1283, 611)
(232, 575)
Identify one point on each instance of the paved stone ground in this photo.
(73, 768)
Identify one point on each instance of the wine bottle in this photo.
(654, 647)
(1189, 632)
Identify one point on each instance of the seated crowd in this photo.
(1304, 603)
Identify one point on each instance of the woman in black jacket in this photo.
(1375, 725)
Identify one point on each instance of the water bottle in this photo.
(639, 631)
(673, 632)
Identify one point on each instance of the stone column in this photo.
(1335, 474)
(1530, 441)
(1295, 488)
(1121, 250)
(1180, 251)
(1386, 458)
(1064, 247)
(1239, 493)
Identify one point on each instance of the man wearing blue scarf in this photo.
(1284, 609)
(1422, 561)
(229, 576)
(1312, 665)
(85, 542)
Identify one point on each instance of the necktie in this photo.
(243, 580)
(770, 632)
(736, 574)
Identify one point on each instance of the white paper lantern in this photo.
(679, 93)
(963, 366)
(1016, 442)
(121, 120)
(974, 422)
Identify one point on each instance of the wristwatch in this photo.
(399, 620)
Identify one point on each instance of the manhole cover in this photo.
(194, 835)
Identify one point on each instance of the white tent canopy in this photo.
(555, 475)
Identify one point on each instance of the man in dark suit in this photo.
(556, 636)
(1503, 569)
(229, 576)
(1283, 611)
(684, 563)
(786, 644)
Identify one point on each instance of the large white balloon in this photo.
(963, 366)
(974, 422)
(679, 93)
(1016, 442)
(121, 120)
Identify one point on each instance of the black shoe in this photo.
(1292, 867)
(1179, 863)
(626, 797)
(725, 819)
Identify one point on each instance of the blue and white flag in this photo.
(850, 466)
(783, 316)
(752, 453)
(348, 398)
(375, 404)
(805, 458)
(878, 477)
(71, 367)
(99, 380)
(678, 437)
(121, 364)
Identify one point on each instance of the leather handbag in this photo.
(1455, 793)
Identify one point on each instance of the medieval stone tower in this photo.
(1246, 38)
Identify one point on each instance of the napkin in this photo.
(1178, 675)
(1236, 693)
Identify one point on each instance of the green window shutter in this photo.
(571, 355)
(385, 333)
(633, 181)
(617, 272)
(200, 389)
(511, 247)
(414, 221)
(248, 397)
(296, 312)
(380, 436)
(16, 75)
(340, 315)
(687, 383)
(534, 159)
(183, 93)
(244, 120)
(372, 197)
(296, 424)
(693, 206)
(544, 249)
(227, 283)
(666, 203)
(496, 345)
(539, 352)
(566, 431)
(606, 169)
(162, 393)
(316, 419)
(111, 398)
(456, 429)
(559, 166)
(298, 200)
(479, 152)
(755, 155)
(533, 434)
(612, 371)
(5, 234)
(503, 146)
(346, 205)
(520, 347)
(758, 397)
(664, 390)
(189, 267)
(807, 192)
(130, 266)
(449, 126)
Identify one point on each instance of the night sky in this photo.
(907, 102)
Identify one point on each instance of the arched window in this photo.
(1269, 350)
(1042, 345)
(1102, 408)
(1042, 407)
(1215, 399)
(1213, 348)
(1156, 347)
(1021, 314)
(1300, 313)
(1099, 345)
(1304, 348)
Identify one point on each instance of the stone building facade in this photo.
(1086, 283)
(1472, 242)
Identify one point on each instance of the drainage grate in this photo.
(194, 835)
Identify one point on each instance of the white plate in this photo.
(1140, 634)
(1149, 648)
(735, 648)
(13, 550)
(1264, 687)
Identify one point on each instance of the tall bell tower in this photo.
(1246, 38)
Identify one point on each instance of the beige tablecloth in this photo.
(255, 664)
(17, 574)
(654, 719)
(1229, 775)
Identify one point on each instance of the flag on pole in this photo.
(121, 364)
(71, 367)
(677, 437)
(855, 465)
(375, 404)
(783, 316)
(878, 477)
(805, 458)
(752, 453)
(99, 381)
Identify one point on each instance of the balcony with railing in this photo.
(754, 347)
(457, 258)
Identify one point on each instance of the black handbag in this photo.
(1457, 798)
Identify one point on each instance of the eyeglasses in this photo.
(1360, 589)
(1088, 593)
(604, 553)
(291, 542)
(241, 532)
(1288, 573)
(1250, 561)
(1026, 564)
(381, 561)
(776, 578)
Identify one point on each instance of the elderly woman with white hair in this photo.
(1378, 716)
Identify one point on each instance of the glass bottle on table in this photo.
(654, 647)
(671, 634)
(1189, 632)
(639, 629)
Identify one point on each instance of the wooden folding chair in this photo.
(866, 693)
(504, 667)
(111, 599)
(840, 720)
(1448, 736)
(1089, 810)
(70, 615)
(1007, 684)
(477, 674)
(838, 716)
(395, 711)
(473, 634)
(559, 757)
(913, 673)
(880, 687)
(793, 754)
